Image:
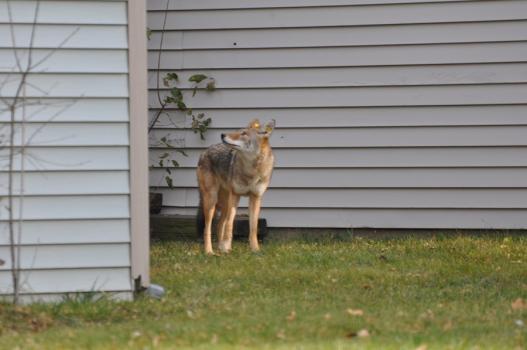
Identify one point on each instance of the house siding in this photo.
(75, 233)
(390, 114)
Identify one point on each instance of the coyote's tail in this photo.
(200, 218)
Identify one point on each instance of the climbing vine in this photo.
(176, 99)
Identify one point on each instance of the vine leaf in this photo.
(169, 181)
(169, 78)
(176, 93)
(197, 78)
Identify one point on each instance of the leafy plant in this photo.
(199, 123)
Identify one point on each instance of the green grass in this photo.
(442, 292)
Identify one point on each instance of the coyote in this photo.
(239, 166)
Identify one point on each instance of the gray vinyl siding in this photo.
(390, 113)
(75, 234)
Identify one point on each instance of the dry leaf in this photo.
(422, 347)
(351, 335)
(353, 312)
(291, 316)
(280, 334)
(519, 304)
(327, 316)
(135, 334)
(363, 333)
(155, 341)
(214, 339)
(447, 326)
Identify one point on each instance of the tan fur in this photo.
(241, 166)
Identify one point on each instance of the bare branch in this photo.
(21, 89)
(55, 49)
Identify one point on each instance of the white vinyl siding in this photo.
(390, 113)
(76, 172)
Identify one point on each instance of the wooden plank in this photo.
(342, 36)
(369, 137)
(371, 178)
(389, 218)
(139, 206)
(70, 256)
(437, 95)
(72, 110)
(69, 232)
(67, 12)
(68, 85)
(68, 60)
(354, 116)
(513, 198)
(355, 76)
(53, 36)
(340, 56)
(68, 183)
(342, 16)
(69, 159)
(244, 4)
(64, 134)
(178, 227)
(70, 207)
(69, 280)
(389, 157)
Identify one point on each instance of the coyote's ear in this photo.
(269, 127)
(254, 124)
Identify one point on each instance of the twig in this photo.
(163, 105)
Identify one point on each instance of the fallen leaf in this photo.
(351, 335)
(291, 316)
(214, 339)
(363, 333)
(327, 316)
(135, 334)
(447, 326)
(280, 334)
(356, 312)
(422, 347)
(519, 304)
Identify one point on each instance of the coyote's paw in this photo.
(210, 252)
(224, 247)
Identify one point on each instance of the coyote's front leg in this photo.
(254, 213)
(226, 243)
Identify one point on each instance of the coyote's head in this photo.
(251, 139)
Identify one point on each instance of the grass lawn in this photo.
(403, 293)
